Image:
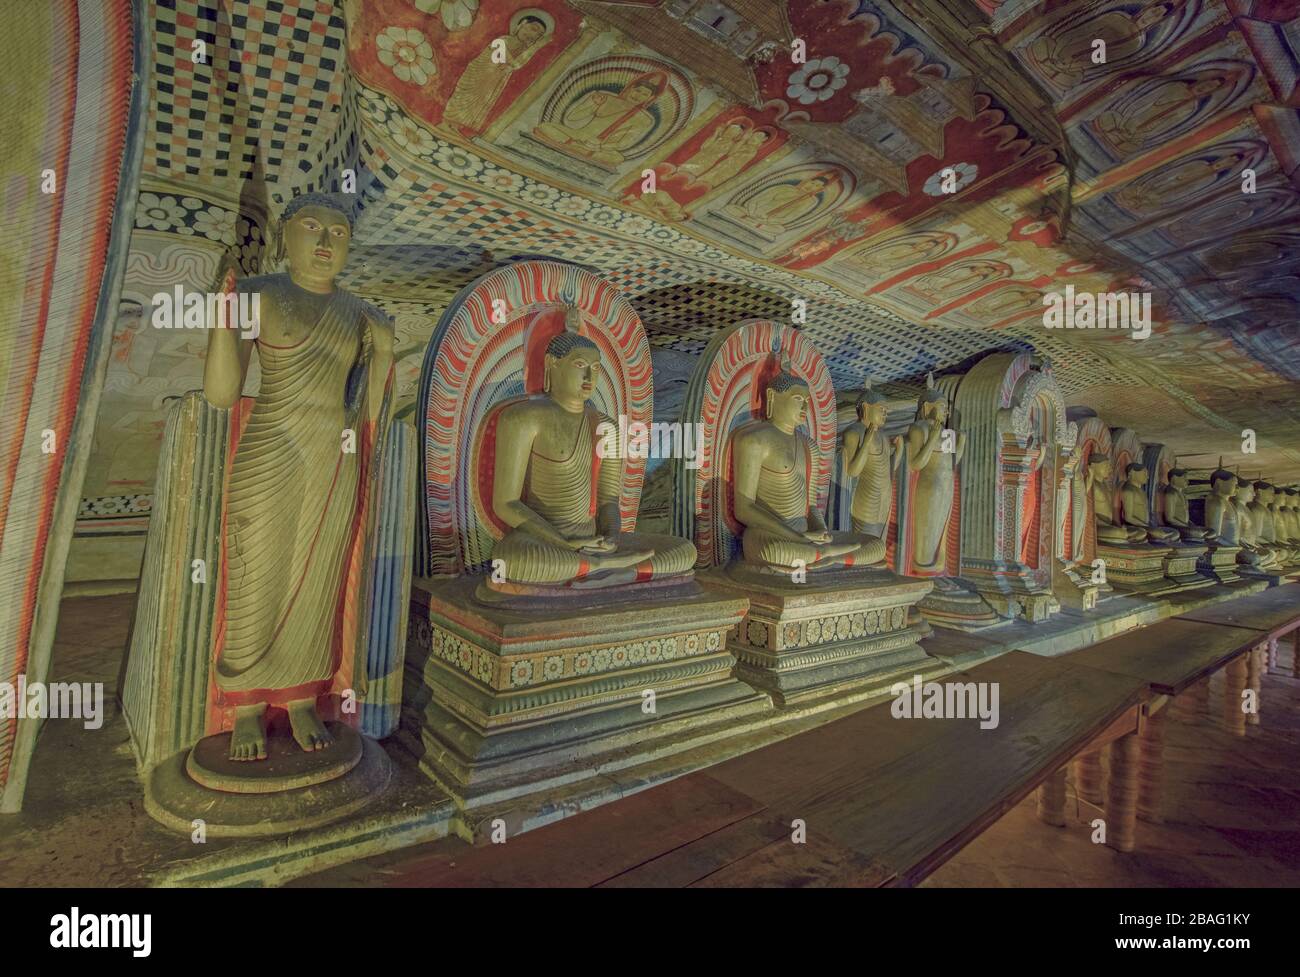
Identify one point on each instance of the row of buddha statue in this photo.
(530, 506)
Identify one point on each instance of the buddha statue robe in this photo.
(872, 494)
(928, 489)
(781, 471)
(295, 504)
(565, 486)
(1109, 531)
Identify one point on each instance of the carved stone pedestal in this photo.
(1140, 569)
(839, 630)
(1181, 566)
(503, 702)
(1220, 564)
(958, 606)
(288, 791)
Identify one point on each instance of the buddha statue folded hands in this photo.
(556, 481)
(783, 532)
(1176, 509)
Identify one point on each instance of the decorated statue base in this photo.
(1220, 564)
(838, 630)
(958, 606)
(1181, 566)
(1138, 569)
(291, 790)
(513, 693)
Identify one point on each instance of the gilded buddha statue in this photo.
(1263, 511)
(772, 462)
(1136, 513)
(294, 493)
(558, 496)
(933, 462)
(1254, 552)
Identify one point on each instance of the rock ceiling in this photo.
(774, 180)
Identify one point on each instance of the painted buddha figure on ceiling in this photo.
(556, 484)
(603, 126)
(1134, 510)
(295, 499)
(1177, 513)
(772, 459)
(1109, 530)
(872, 460)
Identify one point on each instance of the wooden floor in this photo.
(1232, 806)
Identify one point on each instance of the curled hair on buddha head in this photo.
(1177, 472)
(1134, 466)
(338, 202)
(870, 396)
(932, 394)
(1220, 474)
(1261, 485)
(1098, 458)
(564, 343)
(786, 379)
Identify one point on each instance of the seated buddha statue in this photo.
(1177, 514)
(1109, 531)
(559, 497)
(1221, 509)
(1253, 552)
(1134, 509)
(1263, 511)
(772, 464)
(1287, 499)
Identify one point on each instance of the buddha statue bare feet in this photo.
(248, 738)
(308, 730)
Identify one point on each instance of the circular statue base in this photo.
(291, 790)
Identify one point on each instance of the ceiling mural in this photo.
(922, 178)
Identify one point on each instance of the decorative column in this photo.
(1051, 798)
(1151, 769)
(1088, 776)
(1234, 683)
(1122, 793)
(1254, 676)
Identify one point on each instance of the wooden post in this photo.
(1088, 776)
(1295, 652)
(1254, 675)
(1151, 770)
(1194, 702)
(1051, 798)
(1234, 683)
(1122, 793)
(1272, 654)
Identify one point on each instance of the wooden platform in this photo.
(1274, 612)
(1169, 656)
(883, 800)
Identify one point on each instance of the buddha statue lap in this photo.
(1254, 553)
(1263, 511)
(556, 484)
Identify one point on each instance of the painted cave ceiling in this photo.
(775, 180)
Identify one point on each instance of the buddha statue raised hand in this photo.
(295, 495)
(558, 495)
(772, 462)
(872, 460)
(1134, 510)
(1177, 514)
